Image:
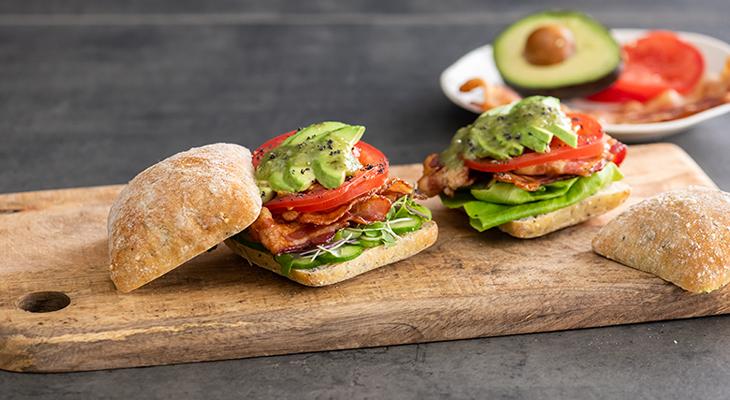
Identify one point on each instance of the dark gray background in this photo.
(91, 92)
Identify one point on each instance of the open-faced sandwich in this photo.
(330, 209)
(528, 168)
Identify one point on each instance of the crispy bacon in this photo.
(324, 217)
(532, 177)
(438, 178)
(372, 209)
(395, 188)
(392, 190)
(528, 182)
(294, 231)
(280, 236)
(492, 95)
(582, 167)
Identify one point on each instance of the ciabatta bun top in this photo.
(179, 208)
(682, 236)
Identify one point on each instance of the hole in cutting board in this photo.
(41, 302)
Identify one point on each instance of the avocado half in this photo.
(593, 66)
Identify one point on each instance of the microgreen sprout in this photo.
(403, 211)
(328, 248)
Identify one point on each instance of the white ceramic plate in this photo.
(479, 63)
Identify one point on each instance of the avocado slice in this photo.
(276, 180)
(299, 177)
(312, 132)
(320, 152)
(536, 138)
(566, 135)
(503, 132)
(592, 64)
(335, 162)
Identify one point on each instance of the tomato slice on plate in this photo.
(590, 144)
(652, 64)
(372, 176)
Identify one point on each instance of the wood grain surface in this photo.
(217, 307)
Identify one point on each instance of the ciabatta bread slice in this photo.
(605, 200)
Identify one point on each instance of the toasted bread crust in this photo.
(600, 203)
(682, 236)
(179, 208)
(409, 245)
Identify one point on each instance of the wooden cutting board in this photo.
(53, 249)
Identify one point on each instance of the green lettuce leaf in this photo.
(507, 193)
(485, 215)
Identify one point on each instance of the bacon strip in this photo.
(293, 231)
(279, 236)
(528, 182)
(583, 167)
(395, 188)
(372, 209)
(531, 178)
(392, 190)
(492, 95)
(324, 218)
(438, 178)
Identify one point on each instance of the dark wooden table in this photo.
(91, 92)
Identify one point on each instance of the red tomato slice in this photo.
(590, 144)
(619, 151)
(653, 64)
(372, 176)
(270, 144)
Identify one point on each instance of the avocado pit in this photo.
(549, 44)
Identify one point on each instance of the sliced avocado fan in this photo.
(320, 153)
(504, 132)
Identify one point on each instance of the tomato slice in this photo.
(619, 151)
(270, 144)
(372, 176)
(657, 62)
(590, 144)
